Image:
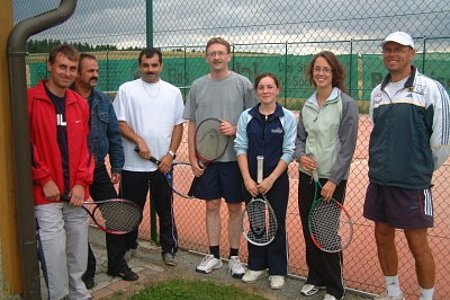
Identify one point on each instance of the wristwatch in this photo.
(173, 154)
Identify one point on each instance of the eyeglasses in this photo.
(219, 54)
(399, 50)
(324, 70)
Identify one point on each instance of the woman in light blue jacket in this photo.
(267, 130)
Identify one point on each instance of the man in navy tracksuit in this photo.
(410, 139)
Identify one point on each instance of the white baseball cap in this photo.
(399, 37)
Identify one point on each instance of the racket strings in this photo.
(118, 216)
(262, 224)
(210, 143)
(330, 227)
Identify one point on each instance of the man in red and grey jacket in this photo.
(62, 165)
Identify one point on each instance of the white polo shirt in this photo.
(152, 110)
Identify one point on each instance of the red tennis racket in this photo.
(329, 222)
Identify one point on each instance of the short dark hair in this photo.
(336, 68)
(264, 75)
(67, 50)
(83, 56)
(218, 40)
(150, 52)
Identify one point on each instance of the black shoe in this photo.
(88, 281)
(126, 275)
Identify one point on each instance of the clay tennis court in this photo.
(361, 268)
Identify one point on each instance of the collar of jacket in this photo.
(41, 93)
(409, 83)
(254, 112)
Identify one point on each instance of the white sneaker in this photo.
(235, 267)
(276, 282)
(251, 276)
(329, 297)
(384, 296)
(209, 263)
(310, 289)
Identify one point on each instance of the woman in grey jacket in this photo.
(326, 139)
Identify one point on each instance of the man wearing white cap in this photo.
(410, 139)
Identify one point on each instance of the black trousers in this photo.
(325, 269)
(102, 189)
(275, 255)
(135, 186)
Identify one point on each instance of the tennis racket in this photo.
(210, 145)
(329, 222)
(178, 178)
(114, 216)
(259, 221)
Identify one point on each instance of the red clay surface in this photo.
(361, 268)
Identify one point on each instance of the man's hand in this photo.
(165, 163)
(115, 178)
(77, 195)
(144, 151)
(227, 129)
(51, 191)
(197, 169)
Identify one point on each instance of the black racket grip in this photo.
(64, 198)
(194, 184)
(152, 159)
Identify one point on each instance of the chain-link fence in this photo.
(279, 37)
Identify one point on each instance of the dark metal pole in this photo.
(149, 44)
(149, 23)
(350, 71)
(22, 150)
(286, 80)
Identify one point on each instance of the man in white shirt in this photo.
(149, 111)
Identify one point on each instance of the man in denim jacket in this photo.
(104, 139)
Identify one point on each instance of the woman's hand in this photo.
(251, 186)
(328, 190)
(308, 162)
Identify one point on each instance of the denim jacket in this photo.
(104, 136)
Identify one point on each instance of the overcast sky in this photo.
(184, 22)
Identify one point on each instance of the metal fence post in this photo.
(149, 42)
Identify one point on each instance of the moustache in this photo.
(94, 78)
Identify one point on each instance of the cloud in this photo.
(178, 23)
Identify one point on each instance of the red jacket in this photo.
(47, 161)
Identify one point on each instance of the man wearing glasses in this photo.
(410, 139)
(224, 95)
